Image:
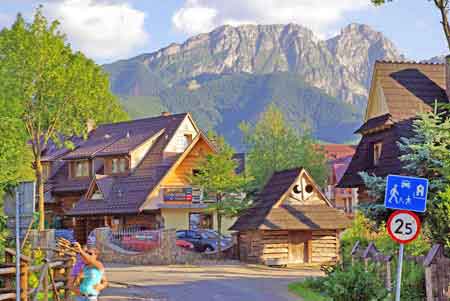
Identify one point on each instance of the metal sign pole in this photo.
(399, 272)
(17, 244)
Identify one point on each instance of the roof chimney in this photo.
(447, 75)
(90, 125)
(165, 113)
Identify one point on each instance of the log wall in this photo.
(325, 245)
(275, 245)
(250, 246)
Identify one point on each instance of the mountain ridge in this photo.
(200, 68)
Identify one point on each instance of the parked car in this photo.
(204, 240)
(146, 240)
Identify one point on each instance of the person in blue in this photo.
(92, 279)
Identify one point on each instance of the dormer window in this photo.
(81, 169)
(97, 195)
(119, 165)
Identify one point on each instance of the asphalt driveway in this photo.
(233, 282)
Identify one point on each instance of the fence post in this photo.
(355, 251)
(429, 283)
(24, 281)
(388, 275)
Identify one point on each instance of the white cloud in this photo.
(103, 30)
(196, 16)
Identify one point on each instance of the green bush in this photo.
(354, 283)
(311, 289)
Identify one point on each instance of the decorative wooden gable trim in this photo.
(303, 191)
(177, 163)
(93, 187)
(376, 104)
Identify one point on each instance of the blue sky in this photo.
(107, 30)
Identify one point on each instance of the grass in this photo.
(302, 290)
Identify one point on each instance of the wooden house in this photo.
(339, 157)
(291, 222)
(398, 92)
(131, 174)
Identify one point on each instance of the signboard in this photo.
(403, 226)
(406, 193)
(26, 200)
(25, 195)
(178, 194)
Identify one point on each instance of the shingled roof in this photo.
(122, 137)
(408, 89)
(265, 215)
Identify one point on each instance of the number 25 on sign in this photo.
(403, 226)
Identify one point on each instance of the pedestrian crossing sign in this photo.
(406, 193)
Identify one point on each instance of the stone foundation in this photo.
(167, 253)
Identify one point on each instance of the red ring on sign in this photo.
(391, 217)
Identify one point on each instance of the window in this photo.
(200, 221)
(376, 151)
(97, 195)
(195, 172)
(188, 138)
(81, 169)
(119, 165)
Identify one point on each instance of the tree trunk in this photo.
(219, 225)
(442, 6)
(219, 239)
(40, 191)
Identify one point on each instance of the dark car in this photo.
(204, 240)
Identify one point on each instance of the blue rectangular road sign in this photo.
(406, 193)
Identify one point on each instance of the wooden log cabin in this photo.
(291, 223)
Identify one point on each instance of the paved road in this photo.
(202, 283)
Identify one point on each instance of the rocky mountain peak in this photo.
(341, 65)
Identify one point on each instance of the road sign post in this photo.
(17, 244)
(405, 194)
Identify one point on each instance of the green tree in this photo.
(15, 156)
(425, 154)
(217, 177)
(443, 8)
(51, 90)
(273, 145)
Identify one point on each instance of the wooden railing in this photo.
(55, 271)
(435, 265)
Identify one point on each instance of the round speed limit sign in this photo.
(403, 226)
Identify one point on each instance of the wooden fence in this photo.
(435, 264)
(53, 273)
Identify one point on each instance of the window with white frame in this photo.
(119, 165)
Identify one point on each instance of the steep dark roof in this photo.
(262, 215)
(54, 151)
(389, 162)
(122, 137)
(375, 122)
(410, 88)
(122, 195)
(305, 218)
(277, 185)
